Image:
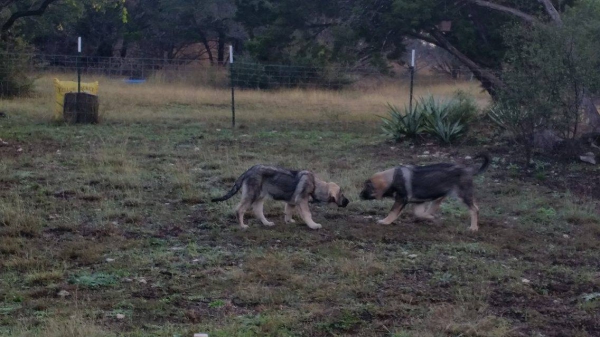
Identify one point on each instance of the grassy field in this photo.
(108, 229)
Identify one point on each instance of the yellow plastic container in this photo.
(63, 87)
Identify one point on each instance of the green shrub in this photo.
(13, 74)
(445, 120)
(405, 124)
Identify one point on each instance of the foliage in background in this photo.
(549, 70)
(14, 80)
(247, 73)
(445, 120)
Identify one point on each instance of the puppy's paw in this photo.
(473, 229)
(315, 226)
(383, 222)
(290, 221)
(244, 226)
(269, 223)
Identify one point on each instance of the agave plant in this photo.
(448, 120)
(406, 124)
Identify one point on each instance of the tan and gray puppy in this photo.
(425, 186)
(295, 188)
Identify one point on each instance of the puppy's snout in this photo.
(345, 202)
(362, 195)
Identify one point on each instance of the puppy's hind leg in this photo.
(474, 211)
(241, 208)
(259, 212)
(289, 213)
(467, 198)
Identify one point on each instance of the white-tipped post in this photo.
(412, 59)
(230, 54)
(79, 44)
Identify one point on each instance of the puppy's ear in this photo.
(381, 182)
(333, 190)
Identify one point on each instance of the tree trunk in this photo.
(221, 49)
(591, 115)
(489, 81)
(208, 50)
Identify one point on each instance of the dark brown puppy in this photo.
(296, 188)
(425, 186)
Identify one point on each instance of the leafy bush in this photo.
(13, 77)
(447, 120)
(549, 72)
(521, 124)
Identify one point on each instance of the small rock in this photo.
(412, 256)
(468, 158)
(63, 293)
(526, 281)
(452, 257)
(218, 130)
(177, 248)
(588, 158)
(392, 148)
(109, 259)
(20, 149)
(566, 236)
(127, 280)
(142, 280)
(200, 335)
(58, 152)
(426, 153)
(196, 149)
(120, 316)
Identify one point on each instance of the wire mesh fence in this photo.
(18, 71)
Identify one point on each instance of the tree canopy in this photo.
(314, 32)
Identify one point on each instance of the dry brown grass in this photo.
(158, 99)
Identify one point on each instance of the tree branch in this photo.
(20, 14)
(551, 10)
(524, 16)
(490, 81)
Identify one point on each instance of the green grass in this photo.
(118, 216)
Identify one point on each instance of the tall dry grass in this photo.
(158, 98)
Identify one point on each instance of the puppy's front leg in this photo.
(289, 213)
(306, 216)
(421, 212)
(394, 213)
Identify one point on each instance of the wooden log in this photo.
(81, 108)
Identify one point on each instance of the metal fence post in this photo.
(232, 86)
(412, 78)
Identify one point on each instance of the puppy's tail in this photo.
(236, 187)
(486, 162)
